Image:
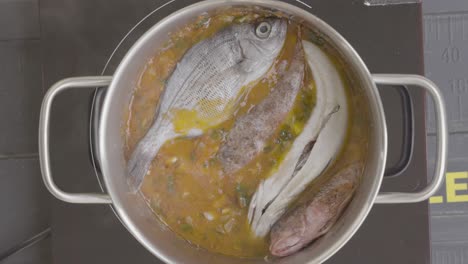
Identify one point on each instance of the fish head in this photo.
(286, 245)
(264, 39)
(303, 226)
(287, 237)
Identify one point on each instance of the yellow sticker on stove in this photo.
(456, 189)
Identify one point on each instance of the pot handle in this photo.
(442, 135)
(44, 157)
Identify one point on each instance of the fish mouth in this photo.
(284, 246)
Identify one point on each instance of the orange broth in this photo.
(186, 186)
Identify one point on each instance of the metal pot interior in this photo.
(132, 210)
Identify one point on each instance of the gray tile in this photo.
(446, 63)
(39, 253)
(438, 6)
(24, 202)
(450, 253)
(79, 36)
(19, 19)
(450, 228)
(20, 96)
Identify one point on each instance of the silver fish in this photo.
(315, 218)
(312, 151)
(213, 70)
(251, 131)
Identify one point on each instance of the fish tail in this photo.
(140, 161)
(138, 166)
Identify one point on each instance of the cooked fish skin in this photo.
(251, 131)
(313, 150)
(213, 70)
(313, 219)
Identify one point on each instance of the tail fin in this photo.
(144, 154)
(138, 167)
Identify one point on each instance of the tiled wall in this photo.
(24, 201)
(446, 63)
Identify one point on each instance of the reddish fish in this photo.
(315, 218)
(250, 132)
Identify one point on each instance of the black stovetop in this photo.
(78, 39)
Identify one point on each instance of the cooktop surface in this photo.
(91, 37)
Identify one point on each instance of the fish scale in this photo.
(325, 129)
(206, 62)
(206, 82)
(190, 97)
(314, 218)
(251, 131)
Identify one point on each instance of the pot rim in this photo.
(346, 51)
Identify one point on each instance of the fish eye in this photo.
(263, 30)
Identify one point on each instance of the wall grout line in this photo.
(19, 39)
(25, 244)
(19, 156)
(446, 13)
(43, 88)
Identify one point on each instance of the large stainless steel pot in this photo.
(133, 211)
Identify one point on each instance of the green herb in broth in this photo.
(242, 196)
(202, 22)
(217, 134)
(196, 184)
(186, 227)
